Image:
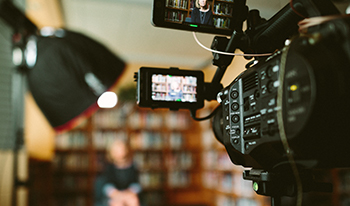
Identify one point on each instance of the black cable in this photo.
(193, 114)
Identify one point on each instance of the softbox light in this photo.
(71, 72)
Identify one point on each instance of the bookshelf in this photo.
(179, 11)
(72, 169)
(162, 85)
(166, 151)
(221, 178)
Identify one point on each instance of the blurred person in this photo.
(202, 13)
(118, 184)
(175, 92)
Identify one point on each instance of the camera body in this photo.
(169, 88)
(297, 96)
(314, 105)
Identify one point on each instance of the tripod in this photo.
(283, 183)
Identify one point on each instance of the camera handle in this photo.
(240, 14)
(211, 89)
(278, 184)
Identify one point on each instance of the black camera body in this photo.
(315, 104)
(288, 113)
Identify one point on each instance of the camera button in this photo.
(235, 106)
(234, 94)
(235, 118)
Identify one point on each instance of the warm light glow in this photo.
(107, 100)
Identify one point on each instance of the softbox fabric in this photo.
(70, 74)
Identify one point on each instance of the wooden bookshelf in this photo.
(221, 178)
(166, 150)
(73, 176)
(179, 11)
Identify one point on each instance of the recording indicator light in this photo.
(293, 87)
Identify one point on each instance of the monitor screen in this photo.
(172, 88)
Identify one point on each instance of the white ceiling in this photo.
(125, 27)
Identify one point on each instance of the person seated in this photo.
(118, 184)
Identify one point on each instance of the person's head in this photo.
(201, 4)
(175, 86)
(119, 152)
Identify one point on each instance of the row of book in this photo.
(79, 200)
(71, 182)
(208, 138)
(153, 120)
(175, 16)
(228, 182)
(71, 162)
(189, 88)
(139, 139)
(172, 179)
(160, 78)
(147, 161)
(179, 179)
(167, 96)
(222, 22)
(223, 9)
(218, 160)
(183, 4)
(113, 118)
(154, 198)
(151, 180)
(140, 120)
(172, 161)
(103, 139)
(178, 120)
(179, 160)
(72, 140)
(176, 140)
(147, 140)
(163, 88)
(119, 118)
(159, 87)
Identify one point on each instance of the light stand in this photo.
(66, 74)
(282, 183)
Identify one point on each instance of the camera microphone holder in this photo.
(283, 183)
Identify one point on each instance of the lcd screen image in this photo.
(174, 88)
(215, 14)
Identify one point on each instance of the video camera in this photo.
(288, 108)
